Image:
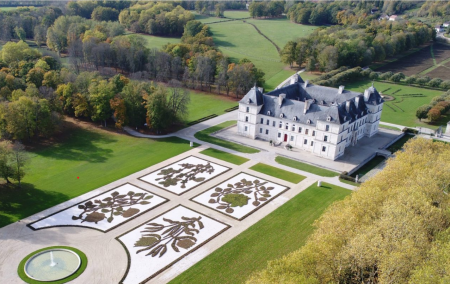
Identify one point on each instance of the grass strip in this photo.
(279, 233)
(305, 167)
(227, 157)
(278, 173)
(204, 135)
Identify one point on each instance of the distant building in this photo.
(446, 24)
(393, 18)
(247, 6)
(374, 10)
(383, 17)
(439, 28)
(317, 119)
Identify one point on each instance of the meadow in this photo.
(204, 104)
(401, 110)
(86, 159)
(249, 251)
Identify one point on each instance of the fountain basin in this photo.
(52, 264)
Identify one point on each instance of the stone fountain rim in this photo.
(46, 251)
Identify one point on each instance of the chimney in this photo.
(294, 79)
(281, 97)
(366, 95)
(306, 84)
(347, 106)
(357, 101)
(307, 105)
(341, 89)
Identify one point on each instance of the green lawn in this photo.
(349, 182)
(232, 14)
(402, 110)
(279, 233)
(95, 156)
(276, 79)
(368, 166)
(227, 157)
(204, 104)
(399, 144)
(204, 136)
(282, 30)
(278, 173)
(156, 41)
(305, 167)
(389, 127)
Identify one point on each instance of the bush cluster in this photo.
(438, 106)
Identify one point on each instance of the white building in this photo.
(439, 28)
(317, 119)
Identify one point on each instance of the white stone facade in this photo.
(326, 138)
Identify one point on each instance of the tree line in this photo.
(393, 229)
(355, 45)
(438, 106)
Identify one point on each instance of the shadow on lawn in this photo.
(81, 145)
(25, 201)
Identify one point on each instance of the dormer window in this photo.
(295, 118)
(328, 118)
(362, 113)
(268, 113)
(249, 101)
(281, 115)
(308, 121)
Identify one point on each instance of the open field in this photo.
(96, 156)
(282, 30)
(235, 260)
(204, 136)
(236, 14)
(402, 110)
(204, 104)
(156, 41)
(422, 62)
(276, 79)
(230, 158)
(442, 72)
(278, 173)
(305, 167)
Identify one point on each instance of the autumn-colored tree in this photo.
(434, 114)
(120, 111)
(394, 229)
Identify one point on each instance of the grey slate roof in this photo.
(326, 103)
(253, 97)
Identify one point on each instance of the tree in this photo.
(422, 111)
(397, 77)
(120, 111)
(328, 58)
(100, 95)
(410, 80)
(36, 76)
(6, 169)
(179, 100)
(435, 83)
(104, 14)
(20, 33)
(159, 116)
(288, 53)
(433, 114)
(15, 52)
(19, 158)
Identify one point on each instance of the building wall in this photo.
(326, 139)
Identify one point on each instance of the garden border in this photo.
(176, 260)
(252, 211)
(103, 231)
(179, 194)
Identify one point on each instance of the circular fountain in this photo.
(52, 264)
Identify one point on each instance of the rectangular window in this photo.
(312, 143)
(299, 130)
(246, 119)
(281, 124)
(260, 130)
(246, 128)
(279, 135)
(262, 120)
(327, 128)
(287, 126)
(248, 109)
(314, 133)
(267, 131)
(293, 127)
(292, 138)
(305, 141)
(325, 138)
(306, 131)
(267, 122)
(273, 124)
(324, 149)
